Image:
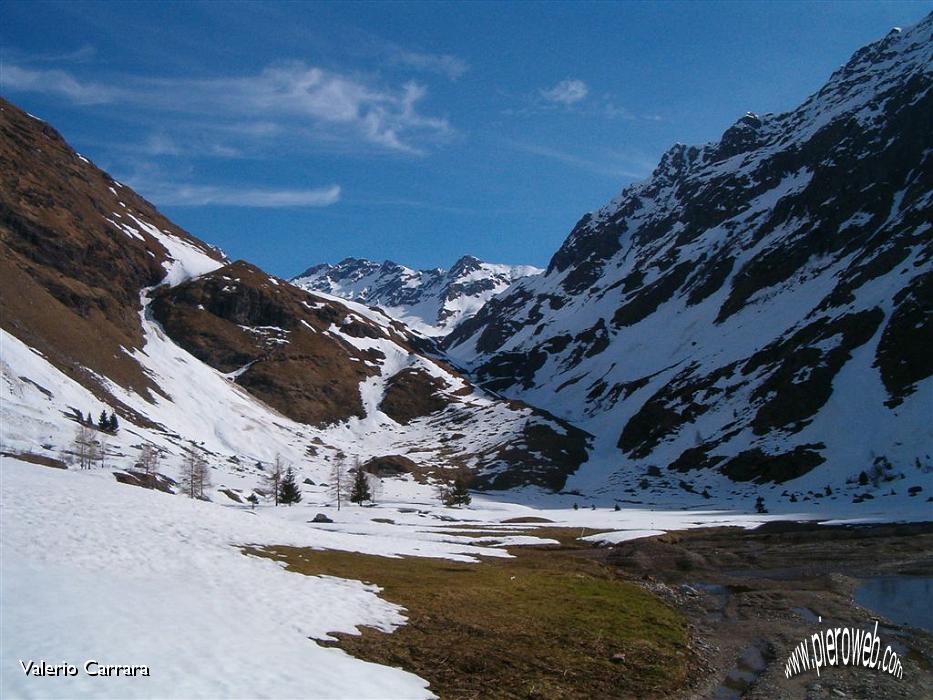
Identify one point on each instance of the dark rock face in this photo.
(275, 336)
(727, 311)
(390, 465)
(412, 394)
(545, 455)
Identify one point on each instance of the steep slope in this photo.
(431, 302)
(758, 309)
(107, 305)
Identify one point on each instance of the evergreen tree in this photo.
(103, 422)
(359, 489)
(459, 492)
(114, 425)
(89, 420)
(288, 490)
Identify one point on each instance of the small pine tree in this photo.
(89, 420)
(458, 494)
(576, 507)
(760, 505)
(104, 421)
(617, 509)
(288, 490)
(359, 489)
(114, 425)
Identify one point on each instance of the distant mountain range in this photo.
(431, 302)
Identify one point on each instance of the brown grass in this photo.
(547, 623)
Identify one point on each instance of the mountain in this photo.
(431, 302)
(106, 305)
(758, 310)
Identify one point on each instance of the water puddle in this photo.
(719, 596)
(747, 669)
(902, 599)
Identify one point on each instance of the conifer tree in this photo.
(103, 422)
(458, 492)
(114, 425)
(288, 490)
(359, 490)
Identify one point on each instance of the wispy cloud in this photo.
(614, 166)
(443, 64)
(181, 195)
(83, 54)
(56, 82)
(292, 97)
(566, 92)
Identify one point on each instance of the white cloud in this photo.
(56, 82)
(443, 64)
(566, 92)
(291, 99)
(614, 166)
(206, 195)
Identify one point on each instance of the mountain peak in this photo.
(429, 301)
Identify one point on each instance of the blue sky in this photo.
(296, 133)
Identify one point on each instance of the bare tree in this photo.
(195, 476)
(84, 446)
(275, 476)
(103, 443)
(338, 478)
(149, 457)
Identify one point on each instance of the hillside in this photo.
(108, 306)
(757, 311)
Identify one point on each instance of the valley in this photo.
(650, 469)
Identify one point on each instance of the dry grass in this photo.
(544, 624)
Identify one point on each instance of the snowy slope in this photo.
(431, 302)
(757, 311)
(106, 305)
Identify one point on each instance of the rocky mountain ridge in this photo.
(431, 302)
(758, 309)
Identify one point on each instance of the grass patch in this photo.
(548, 623)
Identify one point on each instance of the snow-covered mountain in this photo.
(758, 309)
(105, 304)
(431, 302)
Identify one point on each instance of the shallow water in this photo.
(902, 599)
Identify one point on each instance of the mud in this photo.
(752, 596)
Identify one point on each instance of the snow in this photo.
(421, 299)
(186, 260)
(131, 576)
